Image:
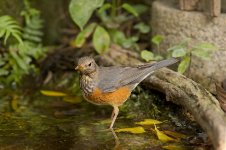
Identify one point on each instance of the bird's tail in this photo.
(160, 64)
(164, 63)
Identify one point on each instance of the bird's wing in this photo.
(112, 78)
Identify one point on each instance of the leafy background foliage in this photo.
(108, 31)
(8, 27)
(18, 58)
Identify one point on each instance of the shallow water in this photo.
(37, 122)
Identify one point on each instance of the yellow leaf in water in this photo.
(73, 99)
(148, 122)
(135, 130)
(174, 147)
(163, 137)
(175, 134)
(14, 103)
(53, 93)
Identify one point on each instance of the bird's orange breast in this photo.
(118, 97)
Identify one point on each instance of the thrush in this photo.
(113, 85)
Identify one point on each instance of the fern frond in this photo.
(10, 27)
(33, 30)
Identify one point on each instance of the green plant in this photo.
(19, 58)
(111, 16)
(9, 26)
(148, 55)
(183, 50)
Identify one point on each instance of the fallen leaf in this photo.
(163, 137)
(174, 147)
(53, 93)
(148, 122)
(135, 130)
(14, 103)
(174, 134)
(72, 99)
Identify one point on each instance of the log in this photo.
(185, 92)
(198, 101)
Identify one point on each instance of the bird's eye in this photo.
(89, 64)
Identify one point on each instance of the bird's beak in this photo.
(79, 68)
(76, 68)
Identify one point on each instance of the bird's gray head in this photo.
(86, 65)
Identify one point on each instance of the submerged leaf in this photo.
(102, 122)
(14, 103)
(53, 93)
(73, 99)
(174, 134)
(149, 122)
(174, 147)
(135, 130)
(163, 137)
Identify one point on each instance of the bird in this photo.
(113, 85)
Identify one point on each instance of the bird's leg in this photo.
(112, 114)
(116, 110)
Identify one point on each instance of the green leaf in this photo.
(81, 10)
(9, 26)
(2, 32)
(157, 39)
(184, 64)
(83, 35)
(21, 63)
(117, 37)
(129, 8)
(101, 40)
(203, 50)
(142, 27)
(3, 72)
(2, 62)
(147, 55)
(104, 8)
(202, 54)
(79, 40)
(140, 8)
(206, 46)
(180, 52)
(158, 57)
(6, 36)
(129, 42)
